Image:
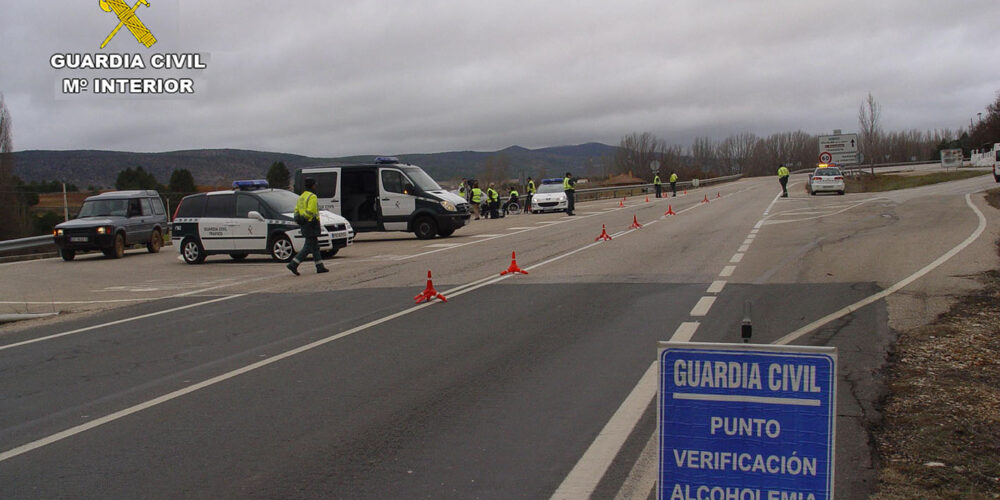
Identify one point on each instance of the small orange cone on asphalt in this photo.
(513, 266)
(670, 210)
(705, 200)
(429, 292)
(604, 234)
(685, 191)
(621, 203)
(647, 199)
(718, 195)
(635, 223)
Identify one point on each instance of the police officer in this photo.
(307, 213)
(530, 188)
(783, 179)
(569, 187)
(673, 183)
(477, 198)
(461, 190)
(493, 197)
(656, 184)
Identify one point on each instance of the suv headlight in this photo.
(449, 206)
(102, 230)
(57, 232)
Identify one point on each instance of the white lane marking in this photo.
(518, 228)
(736, 258)
(642, 478)
(703, 305)
(588, 471)
(743, 248)
(547, 222)
(768, 209)
(727, 271)
(754, 232)
(716, 286)
(117, 322)
(485, 235)
(685, 331)
(751, 236)
(791, 337)
(63, 302)
(442, 245)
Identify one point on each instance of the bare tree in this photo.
(869, 118)
(636, 152)
(734, 151)
(10, 208)
(703, 152)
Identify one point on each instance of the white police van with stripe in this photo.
(387, 196)
(243, 222)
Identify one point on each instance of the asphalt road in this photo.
(236, 380)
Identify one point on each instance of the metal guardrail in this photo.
(640, 189)
(23, 243)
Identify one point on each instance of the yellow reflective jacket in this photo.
(307, 206)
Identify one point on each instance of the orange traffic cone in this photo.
(685, 191)
(705, 200)
(635, 223)
(604, 234)
(718, 195)
(429, 292)
(513, 266)
(647, 199)
(621, 203)
(670, 210)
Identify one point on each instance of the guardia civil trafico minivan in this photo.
(387, 195)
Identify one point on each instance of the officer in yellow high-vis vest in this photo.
(307, 211)
(527, 200)
(569, 187)
(477, 198)
(783, 179)
(657, 185)
(673, 183)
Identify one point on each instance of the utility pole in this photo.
(65, 205)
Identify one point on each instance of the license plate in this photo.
(338, 235)
(82, 239)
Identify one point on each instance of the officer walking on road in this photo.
(493, 197)
(307, 215)
(673, 183)
(783, 179)
(569, 187)
(656, 184)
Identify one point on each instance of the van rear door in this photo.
(396, 198)
(327, 189)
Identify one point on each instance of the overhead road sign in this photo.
(841, 149)
(746, 421)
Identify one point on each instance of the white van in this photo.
(387, 195)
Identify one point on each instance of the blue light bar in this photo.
(250, 185)
(386, 160)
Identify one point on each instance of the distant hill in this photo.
(221, 166)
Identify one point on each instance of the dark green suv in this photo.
(112, 221)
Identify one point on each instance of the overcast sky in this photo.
(356, 77)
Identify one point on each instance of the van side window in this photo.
(147, 209)
(326, 184)
(134, 208)
(245, 205)
(193, 206)
(220, 206)
(395, 182)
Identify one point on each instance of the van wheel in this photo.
(238, 256)
(155, 242)
(444, 233)
(281, 249)
(67, 254)
(192, 251)
(425, 228)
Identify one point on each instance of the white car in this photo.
(826, 178)
(549, 198)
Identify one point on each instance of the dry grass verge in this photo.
(940, 436)
(890, 182)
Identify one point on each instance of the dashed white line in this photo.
(743, 248)
(716, 286)
(703, 306)
(727, 271)
(685, 331)
(736, 258)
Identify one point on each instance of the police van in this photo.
(387, 195)
(250, 219)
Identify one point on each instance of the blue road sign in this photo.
(746, 422)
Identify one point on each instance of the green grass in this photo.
(890, 182)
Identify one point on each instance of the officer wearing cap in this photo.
(783, 179)
(307, 215)
(569, 187)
